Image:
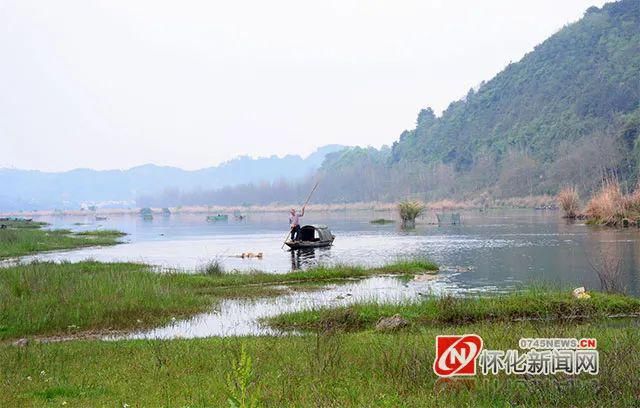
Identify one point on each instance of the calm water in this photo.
(502, 247)
(492, 251)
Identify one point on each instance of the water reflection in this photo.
(235, 317)
(309, 257)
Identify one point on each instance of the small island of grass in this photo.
(22, 237)
(528, 304)
(382, 221)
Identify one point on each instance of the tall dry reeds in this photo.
(632, 204)
(610, 206)
(569, 201)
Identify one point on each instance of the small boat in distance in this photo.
(146, 214)
(219, 217)
(312, 236)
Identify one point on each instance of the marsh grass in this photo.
(382, 221)
(611, 207)
(532, 304)
(410, 210)
(21, 224)
(48, 298)
(329, 370)
(569, 202)
(100, 234)
(409, 266)
(211, 267)
(29, 238)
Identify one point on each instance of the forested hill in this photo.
(567, 113)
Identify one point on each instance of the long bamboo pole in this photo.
(303, 206)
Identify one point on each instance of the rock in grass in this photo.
(21, 342)
(581, 293)
(392, 323)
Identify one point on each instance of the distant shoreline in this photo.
(479, 202)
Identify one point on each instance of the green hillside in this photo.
(567, 113)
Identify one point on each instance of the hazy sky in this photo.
(114, 84)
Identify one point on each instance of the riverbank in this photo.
(479, 202)
(19, 238)
(73, 298)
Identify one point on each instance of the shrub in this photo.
(409, 211)
(569, 201)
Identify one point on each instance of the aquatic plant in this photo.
(409, 210)
(381, 221)
(212, 267)
(569, 201)
(611, 207)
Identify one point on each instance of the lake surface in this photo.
(492, 251)
(501, 248)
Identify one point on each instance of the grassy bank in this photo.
(49, 298)
(353, 367)
(536, 304)
(346, 370)
(21, 238)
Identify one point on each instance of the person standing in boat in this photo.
(294, 223)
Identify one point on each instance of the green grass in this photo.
(528, 304)
(49, 298)
(22, 238)
(381, 221)
(316, 274)
(16, 224)
(334, 368)
(410, 266)
(101, 234)
(338, 370)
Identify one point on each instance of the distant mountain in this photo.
(29, 189)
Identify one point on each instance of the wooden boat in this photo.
(219, 217)
(312, 236)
